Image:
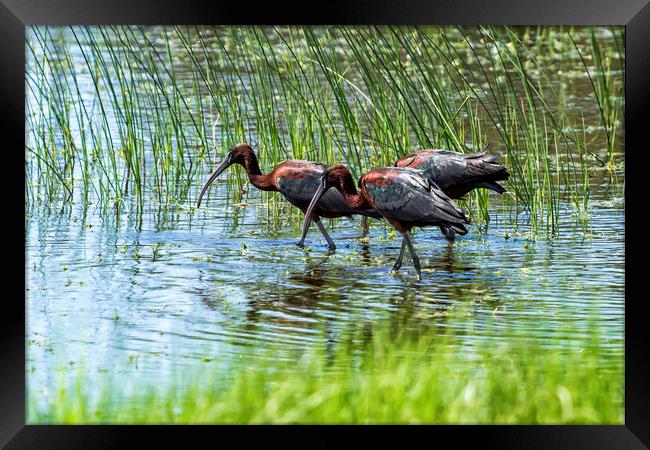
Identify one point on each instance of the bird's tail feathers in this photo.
(493, 186)
(451, 230)
(485, 168)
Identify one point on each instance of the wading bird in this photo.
(297, 181)
(457, 173)
(404, 197)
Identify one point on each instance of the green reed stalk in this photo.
(363, 96)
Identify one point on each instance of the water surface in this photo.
(146, 294)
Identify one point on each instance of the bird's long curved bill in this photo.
(224, 164)
(317, 195)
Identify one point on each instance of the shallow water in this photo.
(141, 296)
(207, 299)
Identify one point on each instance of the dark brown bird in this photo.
(405, 197)
(457, 173)
(296, 180)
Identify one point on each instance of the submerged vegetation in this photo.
(133, 117)
(389, 379)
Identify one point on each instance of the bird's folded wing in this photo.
(411, 197)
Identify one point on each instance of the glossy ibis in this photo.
(404, 197)
(457, 173)
(296, 180)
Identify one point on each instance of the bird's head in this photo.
(337, 176)
(238, 154)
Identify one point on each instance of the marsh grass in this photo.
(608, 88)
(391, 378)
(135, 115)
(131, 118)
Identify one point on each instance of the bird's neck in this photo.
(355, 200)
(261, 181)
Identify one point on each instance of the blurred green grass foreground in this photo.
(391, 380)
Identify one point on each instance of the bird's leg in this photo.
(398, 263)
(414, 256)
(364, 227)
(301, 243)
(322, 229)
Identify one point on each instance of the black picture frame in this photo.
(634, 14)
